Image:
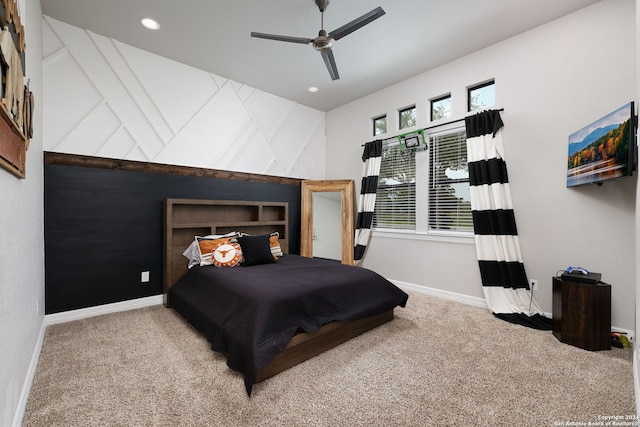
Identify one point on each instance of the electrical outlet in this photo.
(144, 277)
(38, 307)
(533, 284)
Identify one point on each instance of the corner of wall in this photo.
(636, 345)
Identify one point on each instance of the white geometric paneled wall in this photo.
(107, 99)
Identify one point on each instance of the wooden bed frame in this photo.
(186, 218)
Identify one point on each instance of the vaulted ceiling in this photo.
(214, 35)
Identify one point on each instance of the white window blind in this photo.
(449, 198)
(396, 197)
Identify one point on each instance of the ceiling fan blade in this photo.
(330, 62)
(357, 23)
(281, 38)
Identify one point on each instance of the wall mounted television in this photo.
(603, 150)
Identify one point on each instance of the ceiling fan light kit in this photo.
(323, 42)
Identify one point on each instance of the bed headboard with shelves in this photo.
(183, 219)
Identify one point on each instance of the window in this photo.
(481, 96)
(396, 197)
(380, 125)
(441, 107)
(425, 192)
(407, 117)
(449, 196)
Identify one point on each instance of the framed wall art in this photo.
(16, 100)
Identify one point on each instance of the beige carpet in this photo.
(438, 363)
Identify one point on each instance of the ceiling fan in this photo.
(322, 43)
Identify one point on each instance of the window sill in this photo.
(462, 238)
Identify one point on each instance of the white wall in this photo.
(22, 248)
(636, 346)
(551, 81)
(108, 99)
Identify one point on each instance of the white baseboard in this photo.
(465, 299)
(68, 316)
(28, 381)
(452, 296)
(83, 313)
(636, 379)
(478, 302)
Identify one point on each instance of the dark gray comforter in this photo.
(251, 313)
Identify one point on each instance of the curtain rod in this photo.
(438, 125)
(454, 121)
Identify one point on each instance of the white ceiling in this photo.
(214, 35)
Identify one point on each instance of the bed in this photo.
(272, 315)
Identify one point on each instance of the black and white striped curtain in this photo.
(371, 156)
(504, 280)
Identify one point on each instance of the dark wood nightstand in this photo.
(582, 314)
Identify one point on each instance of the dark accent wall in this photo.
(103, 223)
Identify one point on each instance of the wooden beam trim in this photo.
(51, 158)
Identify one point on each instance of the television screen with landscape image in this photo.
(604, 149)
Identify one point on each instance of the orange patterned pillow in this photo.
(207, 246)
(274, 244)
(226, 254)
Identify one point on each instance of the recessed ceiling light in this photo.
(312, 89)
(150, 23)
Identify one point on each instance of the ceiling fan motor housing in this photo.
(322, 42)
